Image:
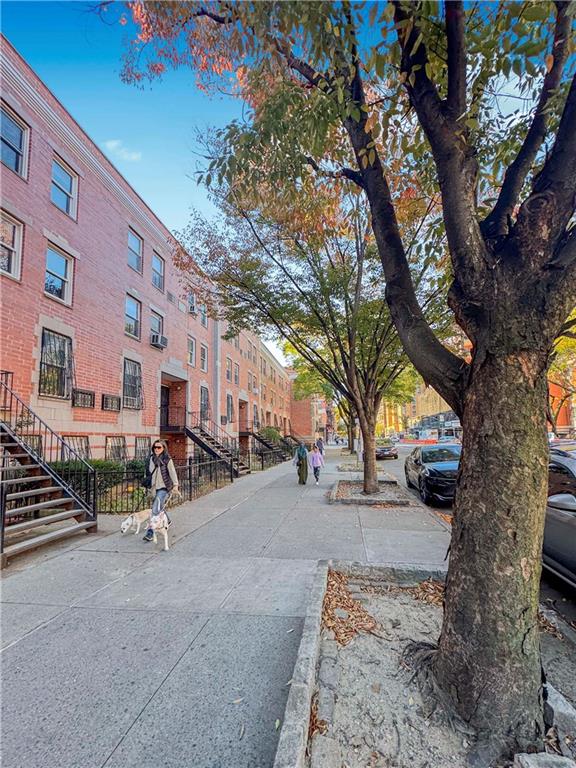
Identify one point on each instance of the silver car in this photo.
(559, 551)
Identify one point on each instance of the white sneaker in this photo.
(316, 482)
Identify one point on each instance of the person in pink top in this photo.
(316, 461)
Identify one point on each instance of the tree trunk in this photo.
(368, 427)
(488, 660)
(351, 434)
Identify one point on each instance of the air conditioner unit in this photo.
(254, 390)
(192, 310)
(156, 340)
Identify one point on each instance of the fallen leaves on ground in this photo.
(443, 516)
(338, 596)
(547, 626)
(315, 725)
(428, 591)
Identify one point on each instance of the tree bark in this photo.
(368, 428)
(488, 659)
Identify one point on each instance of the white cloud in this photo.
(116, 149)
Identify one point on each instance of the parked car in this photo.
(386, 450)
(563, 448)
(432, 469)
(559, 550)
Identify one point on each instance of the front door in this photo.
(242, 414)
(164, 406)
(204, 404)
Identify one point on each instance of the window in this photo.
(249, 382)
(229, 409)
(228, 369)
(204, 315)
(254, 383)
(14, 142)
(116, 448)
(236, 373)
(56, 365)
(203, 358)
(134, 251)
(132, 385)
(191, 351)
(58, 278)
(156, 323)
(132, 313)
(255, 414)
(64, 189)
(111, 403)
(10, 246)
(192, 303)
(80, 444)
(263, 391)
(237, 342)
(142, 448)
(83, 398)
(158, 271)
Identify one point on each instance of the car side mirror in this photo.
(564, 501)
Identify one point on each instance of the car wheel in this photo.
(424, 492)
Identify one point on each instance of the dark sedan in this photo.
(559, 551)
(387, 451)
(432, 469)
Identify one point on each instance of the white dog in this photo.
(135, 520)
(160, 523)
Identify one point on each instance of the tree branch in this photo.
(343, 173)
(455, 35)
(496, 223)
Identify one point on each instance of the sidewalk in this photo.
(121, 655)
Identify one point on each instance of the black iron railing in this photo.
(20, 425)
(198, 420)
(261, 459)
(122, 492)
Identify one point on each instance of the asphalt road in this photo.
(554, 592)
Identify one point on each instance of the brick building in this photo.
(102, 342)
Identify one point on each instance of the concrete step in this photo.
(32, 492)
(18, 466)
(38, 541)
(26, 479)
(55, 518)
(39, 506)
(19, 455)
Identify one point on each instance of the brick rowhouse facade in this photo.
(102, 342)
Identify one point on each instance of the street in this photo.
(554, 593)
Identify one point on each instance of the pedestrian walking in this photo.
(301, 462)
(320, 444)
(161, 479)
(316, 461)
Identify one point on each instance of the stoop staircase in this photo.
(39, 502)
(208, 436)
(281, 446)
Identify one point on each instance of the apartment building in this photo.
(102, 340)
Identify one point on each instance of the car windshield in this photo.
(444, 453)
(568, 447)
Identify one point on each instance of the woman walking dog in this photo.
(161, 479)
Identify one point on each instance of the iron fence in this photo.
(260, 460)
(121, 491)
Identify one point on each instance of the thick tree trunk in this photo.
(488, 661)
(368, 427)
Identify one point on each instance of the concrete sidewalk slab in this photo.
(316, 543)
(20, 618)
(170, 582)
(405, 519)
(70, 704)
(272, 587)
(226, 541)
(192, 720)
(384, 546)
(72, 576)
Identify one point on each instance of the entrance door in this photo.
(164, 406)
(242, 415)
(204, 404)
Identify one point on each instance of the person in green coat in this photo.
(301, 462)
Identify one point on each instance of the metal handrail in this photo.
(44, 445)
(198, 420)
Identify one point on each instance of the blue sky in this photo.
(148, 134)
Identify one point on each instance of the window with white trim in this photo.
(135, 248)
(10, 246)
(236, 373)
(132, 385)
(229, 409)
(64, 188)
(58, 277)
(204, 315)
(158, 271)
(156, 323)
(56, 365)
(132, 315)
(228, 369)
(192, 303)
(15, 134)
(203, 358)
(249, 381)
(191, 351)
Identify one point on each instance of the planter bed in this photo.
(351, 492)
(359, 469)
(354, 701)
